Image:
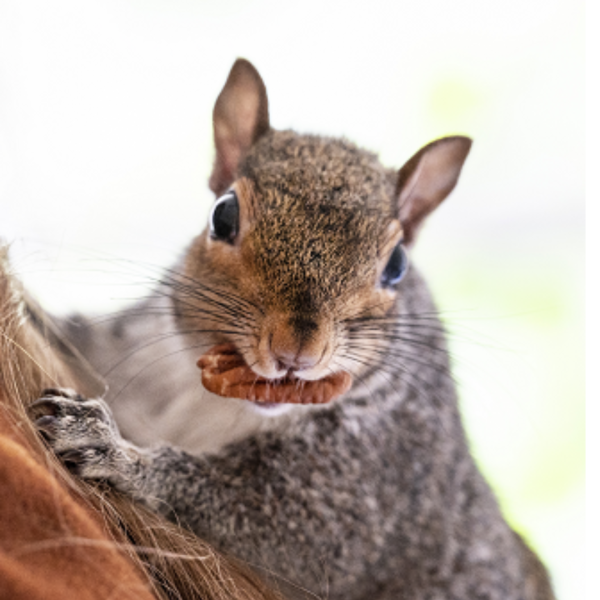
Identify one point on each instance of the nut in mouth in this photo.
(225, 373)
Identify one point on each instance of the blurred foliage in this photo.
(516, 327)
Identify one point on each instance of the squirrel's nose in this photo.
(294, 352)
(293, 343)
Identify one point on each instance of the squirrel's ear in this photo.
(240, 117)
(427, 178)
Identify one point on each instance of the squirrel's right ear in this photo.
(427, 178)
(240, 117)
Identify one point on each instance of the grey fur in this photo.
(373, 496)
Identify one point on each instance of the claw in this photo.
(72, 460)
(46, 424)
(45, 402)
(62, 392)
(52, 392)
(72, 456)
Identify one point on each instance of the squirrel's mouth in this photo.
(225, 373)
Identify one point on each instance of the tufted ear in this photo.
(427, 178)
(240, 117)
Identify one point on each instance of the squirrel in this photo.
(302, 275)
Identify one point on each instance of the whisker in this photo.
(162, 337)
(152, 363)
(416, 383)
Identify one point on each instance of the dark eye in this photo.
(224, 219)
(396, 268)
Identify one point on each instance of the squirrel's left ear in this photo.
(240, 117)
(427, 178)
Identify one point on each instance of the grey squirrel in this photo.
(303, 271)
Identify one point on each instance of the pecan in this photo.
(224, 372)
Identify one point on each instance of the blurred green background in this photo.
(105, 150)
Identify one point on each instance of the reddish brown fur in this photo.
(63, 537)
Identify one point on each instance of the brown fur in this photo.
(300, 277)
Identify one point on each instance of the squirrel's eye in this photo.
(224, 219)
(396, 268)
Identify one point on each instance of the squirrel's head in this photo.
(308, 235)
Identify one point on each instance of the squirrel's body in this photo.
(374, 495)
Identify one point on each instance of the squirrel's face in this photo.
(305, 247)
(307, 238)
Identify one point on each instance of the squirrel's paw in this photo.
(83, 434)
